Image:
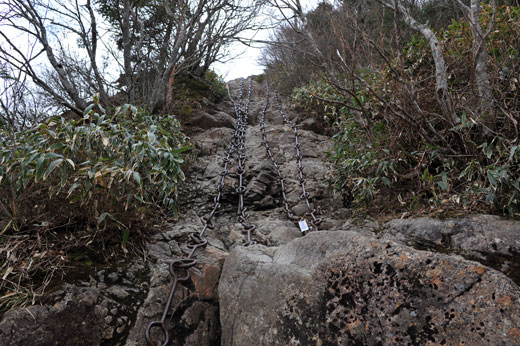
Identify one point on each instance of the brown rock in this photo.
(206, 278)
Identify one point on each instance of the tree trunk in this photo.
(127, 50)
(480, 54)
(441, 77)
(158, 99)
(92, 51)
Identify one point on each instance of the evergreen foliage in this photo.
(105, 170)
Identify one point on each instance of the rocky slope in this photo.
(404, 282)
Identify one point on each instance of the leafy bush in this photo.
(320, 96)
(190, 93)
(217, 85)
(399, 152)
(71, 189)
(110, 170)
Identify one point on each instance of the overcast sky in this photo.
(246, 64)
(242, 66)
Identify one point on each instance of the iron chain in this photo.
(178, 268)
(281, 179)
(315, 221)
(243, 217)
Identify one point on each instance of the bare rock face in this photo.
(212, 141)
(343, 288)
(205, 121)
(195, 321)
(488, 239)
(97, 311)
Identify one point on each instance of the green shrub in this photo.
(107, 170)
(191, 93)
(217, 85)
(72, 191)
(312, 96)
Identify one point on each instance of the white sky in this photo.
(242, 66)
(245, 61)
(246, 64)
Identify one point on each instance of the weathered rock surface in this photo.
(262, 184)
(196, 321)
(488, 239)
(342, 288)
(96, 311)
(203, 120)
(93, 312)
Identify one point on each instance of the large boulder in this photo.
(488, 239)
(206, 121)
(343, 288)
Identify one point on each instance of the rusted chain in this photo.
(243, 217)
(179, 267)
(311, 212)
(281, 178)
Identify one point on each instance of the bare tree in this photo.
(12, 100)
(163, 39)
(20, 108)
(151, 42)
(41, 22)
(293, 15)
(301, 45)
(480, 55)
(441, 76)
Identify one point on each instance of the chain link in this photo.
(243, 217)
(178, 268)
(281, 179)
(311, 212)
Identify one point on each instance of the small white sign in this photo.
(303, 226)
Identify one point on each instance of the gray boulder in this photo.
(489, 239)
(205, 121)
(342, 288)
